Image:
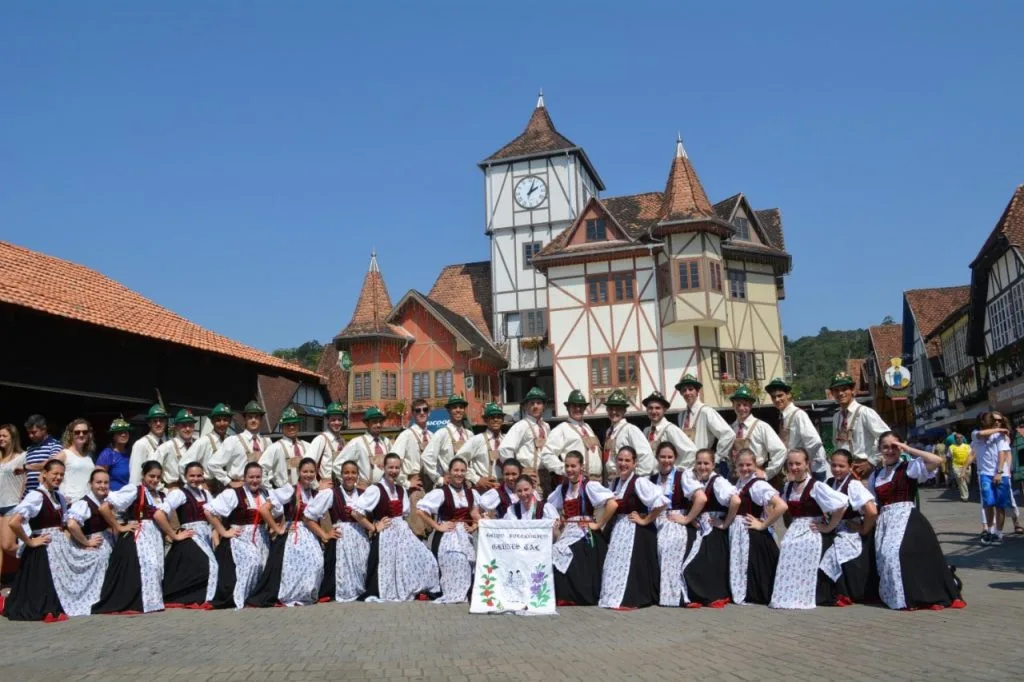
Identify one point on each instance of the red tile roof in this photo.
(465, 288)
(58, 287)
(887, 343)
(1010, 225)
(931, 306)
(336, 377)
(539, 136)
(684, 197)
(635, 212)
(372, 308)
(275, 393)
(855, 368)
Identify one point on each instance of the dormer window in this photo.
(596, 231)
(742, 226)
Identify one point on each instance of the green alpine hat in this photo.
(372, 413)
(456, 399)
(842, 379)
(493, 410)
(536, 393)
(335, 408)
(656, 397)
(576, 397)
(119, 425)
(777, 384)
(184, 416)
(688, 380)
(617, 398)
(253, 407)
(743, 393)
(290, 416)
(221, 410)
(156, 412)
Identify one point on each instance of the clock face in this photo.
(531, 192)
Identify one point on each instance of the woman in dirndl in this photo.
(706, 566)
(242, 550)
(579, 553)
(850, 561)
(80, 558)
(32, 595)
(816, 510)
(676, 531)
(190, 567)
(452, 511)
(134, 579)
(346, 545)
(630, 577)
(527, 506)
(399, 567)
(753, 552)
(295, 565)
(912, 571)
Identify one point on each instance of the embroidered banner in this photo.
(513, 568)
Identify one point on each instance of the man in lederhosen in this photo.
(172, 454)
(483, 461)
(227, 465)
(204, 447)
(620, 433)
(702, 424)
(573, 434)
(409, 445)
(446, 441)
(367, 450)
(662, 430)
(855, 427)
(326, 447)
(280, 462)
(751, 432)
(145, 448)
(525, 440)
(796, 429)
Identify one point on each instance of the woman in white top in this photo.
(77, 458)
(12, 484)
(80, 558)
(753, 553)
(346, 545)
(235, 516)
(295, 565)
(816, 510)
(400, 567)
(850, 561)
(578, 555)
(630, 576)
(676, 533)
(527, 506)
(452, 512)
(706, 567)
(190, 567)
(134, 579)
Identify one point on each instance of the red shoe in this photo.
(720, 603)
(843, 600)
(564, 602)
(50, 618)
(692, 605)
(958, 604)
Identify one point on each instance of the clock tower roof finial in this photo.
(540, 99)
(684, 196)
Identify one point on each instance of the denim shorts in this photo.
(993, 495)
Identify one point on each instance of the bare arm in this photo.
(107, 512)
(697, 503)
(267, 514)
(80, 537)
(218, 525)
(606, 514)
(776, 508)
(366, 523)
(16, 527)
(734, 506)
(833, 521)
(931, 461)
(316, 529)
(162, 522)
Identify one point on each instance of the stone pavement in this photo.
(427, 641)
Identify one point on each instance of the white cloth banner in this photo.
(513, 568)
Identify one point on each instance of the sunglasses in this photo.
(81, 433)
(422, 410)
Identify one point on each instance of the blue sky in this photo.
(237, 161)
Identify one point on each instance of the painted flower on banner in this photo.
(539, 591)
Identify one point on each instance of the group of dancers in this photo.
(650, 524)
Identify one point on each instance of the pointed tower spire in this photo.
(372, 307)
(540, 99)
(684, 196)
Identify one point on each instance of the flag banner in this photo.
(513, 568)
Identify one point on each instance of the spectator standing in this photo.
(960, 454)
(43, 447)
(940, 450)
(115, 458)
(991, 447)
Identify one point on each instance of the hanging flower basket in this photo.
(531, 342)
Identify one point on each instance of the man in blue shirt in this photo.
(43, 447)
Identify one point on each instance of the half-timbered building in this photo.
(997, 307)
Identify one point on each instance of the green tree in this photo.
(815, 359)
(307, 355)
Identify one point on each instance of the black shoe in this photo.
(986, 538)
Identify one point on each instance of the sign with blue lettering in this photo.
(436, 419)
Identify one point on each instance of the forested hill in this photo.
(815, 359)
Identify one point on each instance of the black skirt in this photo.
(264, 595)
(707, 576)
(372, 565)
(122, 584)
(581, 584)
(32, 595)
(825, 591)
(186, 575)
(762, 560)
(329, 584)
(227, 578)
(859, 581)
(927, 578)
(644, 581)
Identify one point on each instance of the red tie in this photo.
(296, 450)
(255, 444)
(842, 422)
(426, 437)
(686, 420)
(739, 431)
(652, 435)
(377, 449)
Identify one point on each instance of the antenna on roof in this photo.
(540, 99)
(680, 151)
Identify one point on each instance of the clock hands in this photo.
(533, 188)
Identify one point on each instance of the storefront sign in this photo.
(1008, 398)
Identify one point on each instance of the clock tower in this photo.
(534, 188)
